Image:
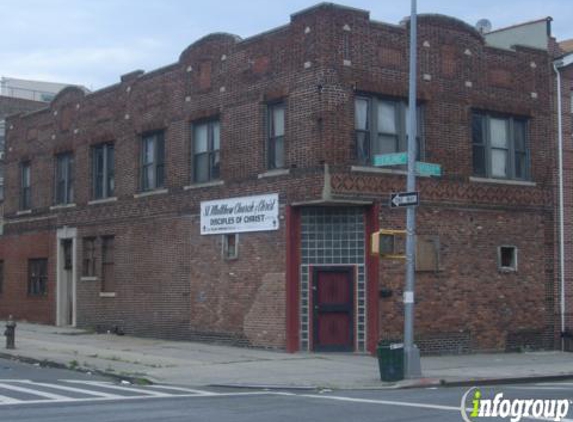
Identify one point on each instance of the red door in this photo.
(333, 309)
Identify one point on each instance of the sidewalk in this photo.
(198, 364)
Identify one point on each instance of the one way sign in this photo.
(404, 199)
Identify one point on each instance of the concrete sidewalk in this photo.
(198, 364)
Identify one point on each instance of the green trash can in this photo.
(391, 361)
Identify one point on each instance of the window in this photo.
(152, 161)
(206, 145)
(1, 182)
(500, 149)
(230, 246)
(25, 191)
(570, 106)
(103, 171)
(1, 276)
(2, 135)
(107, 264)
(381, 128)
(2, 149)
(507, 258)
(46, 97)
(67, 245)
(64, 179)
(276, 131)
(38, 277)
(89, 267)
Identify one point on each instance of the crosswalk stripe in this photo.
(33, 392)
(72, 389)
(8, 400)
(83, 387)
(407, 404)
(565, 384)
(536, 388)
(122, 388)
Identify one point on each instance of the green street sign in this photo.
(428, 169)
(394, 159)
(401, 158)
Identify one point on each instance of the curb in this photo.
(401, 385)
(501, 381)
(426, 383)
(51, 364)
(267, 387)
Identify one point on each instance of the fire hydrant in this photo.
(10, 333)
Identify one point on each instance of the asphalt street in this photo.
(31, 393)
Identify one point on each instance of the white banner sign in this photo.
(240, 215)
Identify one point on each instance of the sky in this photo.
(93, 42)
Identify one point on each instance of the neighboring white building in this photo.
(31, 90)
(534, 34)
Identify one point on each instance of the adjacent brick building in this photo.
(564, 65)
(10, 105)
(104, 192)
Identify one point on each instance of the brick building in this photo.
(106, 192)
(564, 77)
(10, 105)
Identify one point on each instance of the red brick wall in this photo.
(567, 122)
(494, 310)
(15, 251)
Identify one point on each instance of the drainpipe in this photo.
(556, 65)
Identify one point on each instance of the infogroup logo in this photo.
(475, 407)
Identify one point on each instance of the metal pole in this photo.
(561, 205)
(412, 367)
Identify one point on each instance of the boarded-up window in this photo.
(427, 253)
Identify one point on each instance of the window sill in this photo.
(61, 207)
(507, 270)
(378, 170)
(88, 278)
(23, 212)
(103, 200)
(150, 193)
(502, 181)
(106, 294)
(274, 173)
(204, 185)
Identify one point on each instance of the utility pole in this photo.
(412, 367)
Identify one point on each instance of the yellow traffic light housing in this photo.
(383, 243)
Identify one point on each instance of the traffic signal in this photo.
(383, 243)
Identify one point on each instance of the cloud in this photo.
(82, 65)
(94, 42)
